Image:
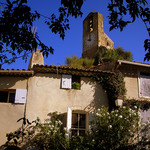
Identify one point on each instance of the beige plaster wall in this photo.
(45, 96)
(10, 113)
(131, 84)
(12, 82)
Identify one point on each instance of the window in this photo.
(76, 122)
(7, 96)
(90, 24)
(144, 85)
(66, 81)
(13, 96)
(69, 81)
(76, 82)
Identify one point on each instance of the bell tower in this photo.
(94, 35)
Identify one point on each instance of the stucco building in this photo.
(44, 89)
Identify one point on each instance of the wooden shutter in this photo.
(66, 81)
(20, 96)
(69, 120)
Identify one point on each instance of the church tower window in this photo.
(91, 24)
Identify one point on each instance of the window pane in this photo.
(74, 132)
(74, 120)
(3, 96)
(81, 132)
(11, 97)
(82, 121)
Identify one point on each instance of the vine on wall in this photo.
(141, 104)
(114, 86)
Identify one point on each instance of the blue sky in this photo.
(131, 38)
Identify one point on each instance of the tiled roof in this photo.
(15, 72)
(67, 70)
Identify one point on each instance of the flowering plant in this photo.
(51, 134)
(115, 129)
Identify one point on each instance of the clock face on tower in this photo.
(89, 40)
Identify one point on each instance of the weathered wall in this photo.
(101, 39)
(45, 96)
(10, 113)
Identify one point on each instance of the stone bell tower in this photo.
(94, 35)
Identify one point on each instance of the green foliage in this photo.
(51, 134)
(135, 9)
(113, 84)
(24, 134)
(111, 130)
(76, 85)
(116, 129)
(105, 55)
(81, 143)
(79, 63)
(16, 21)
(102, 55)
(143, 105)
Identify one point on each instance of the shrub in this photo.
(115, 129)
(51, 134)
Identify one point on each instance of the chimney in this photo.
(36, 58)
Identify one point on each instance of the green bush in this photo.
(118, 129)
(51, 134)
(115, 129)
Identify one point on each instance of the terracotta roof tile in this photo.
(17, 72)
(66, 70)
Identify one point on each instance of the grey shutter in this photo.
(145, 86)
(20, 96)
(66, 81)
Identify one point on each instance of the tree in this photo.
(104, 55)
(79, 63)
(119, 9)
(16, 22)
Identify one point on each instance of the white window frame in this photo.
(69, 120)
(20, 95)
(67, 81)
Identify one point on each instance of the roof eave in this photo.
(132, 63)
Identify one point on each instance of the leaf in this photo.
(8, 1)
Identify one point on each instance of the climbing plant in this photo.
(113, 84)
